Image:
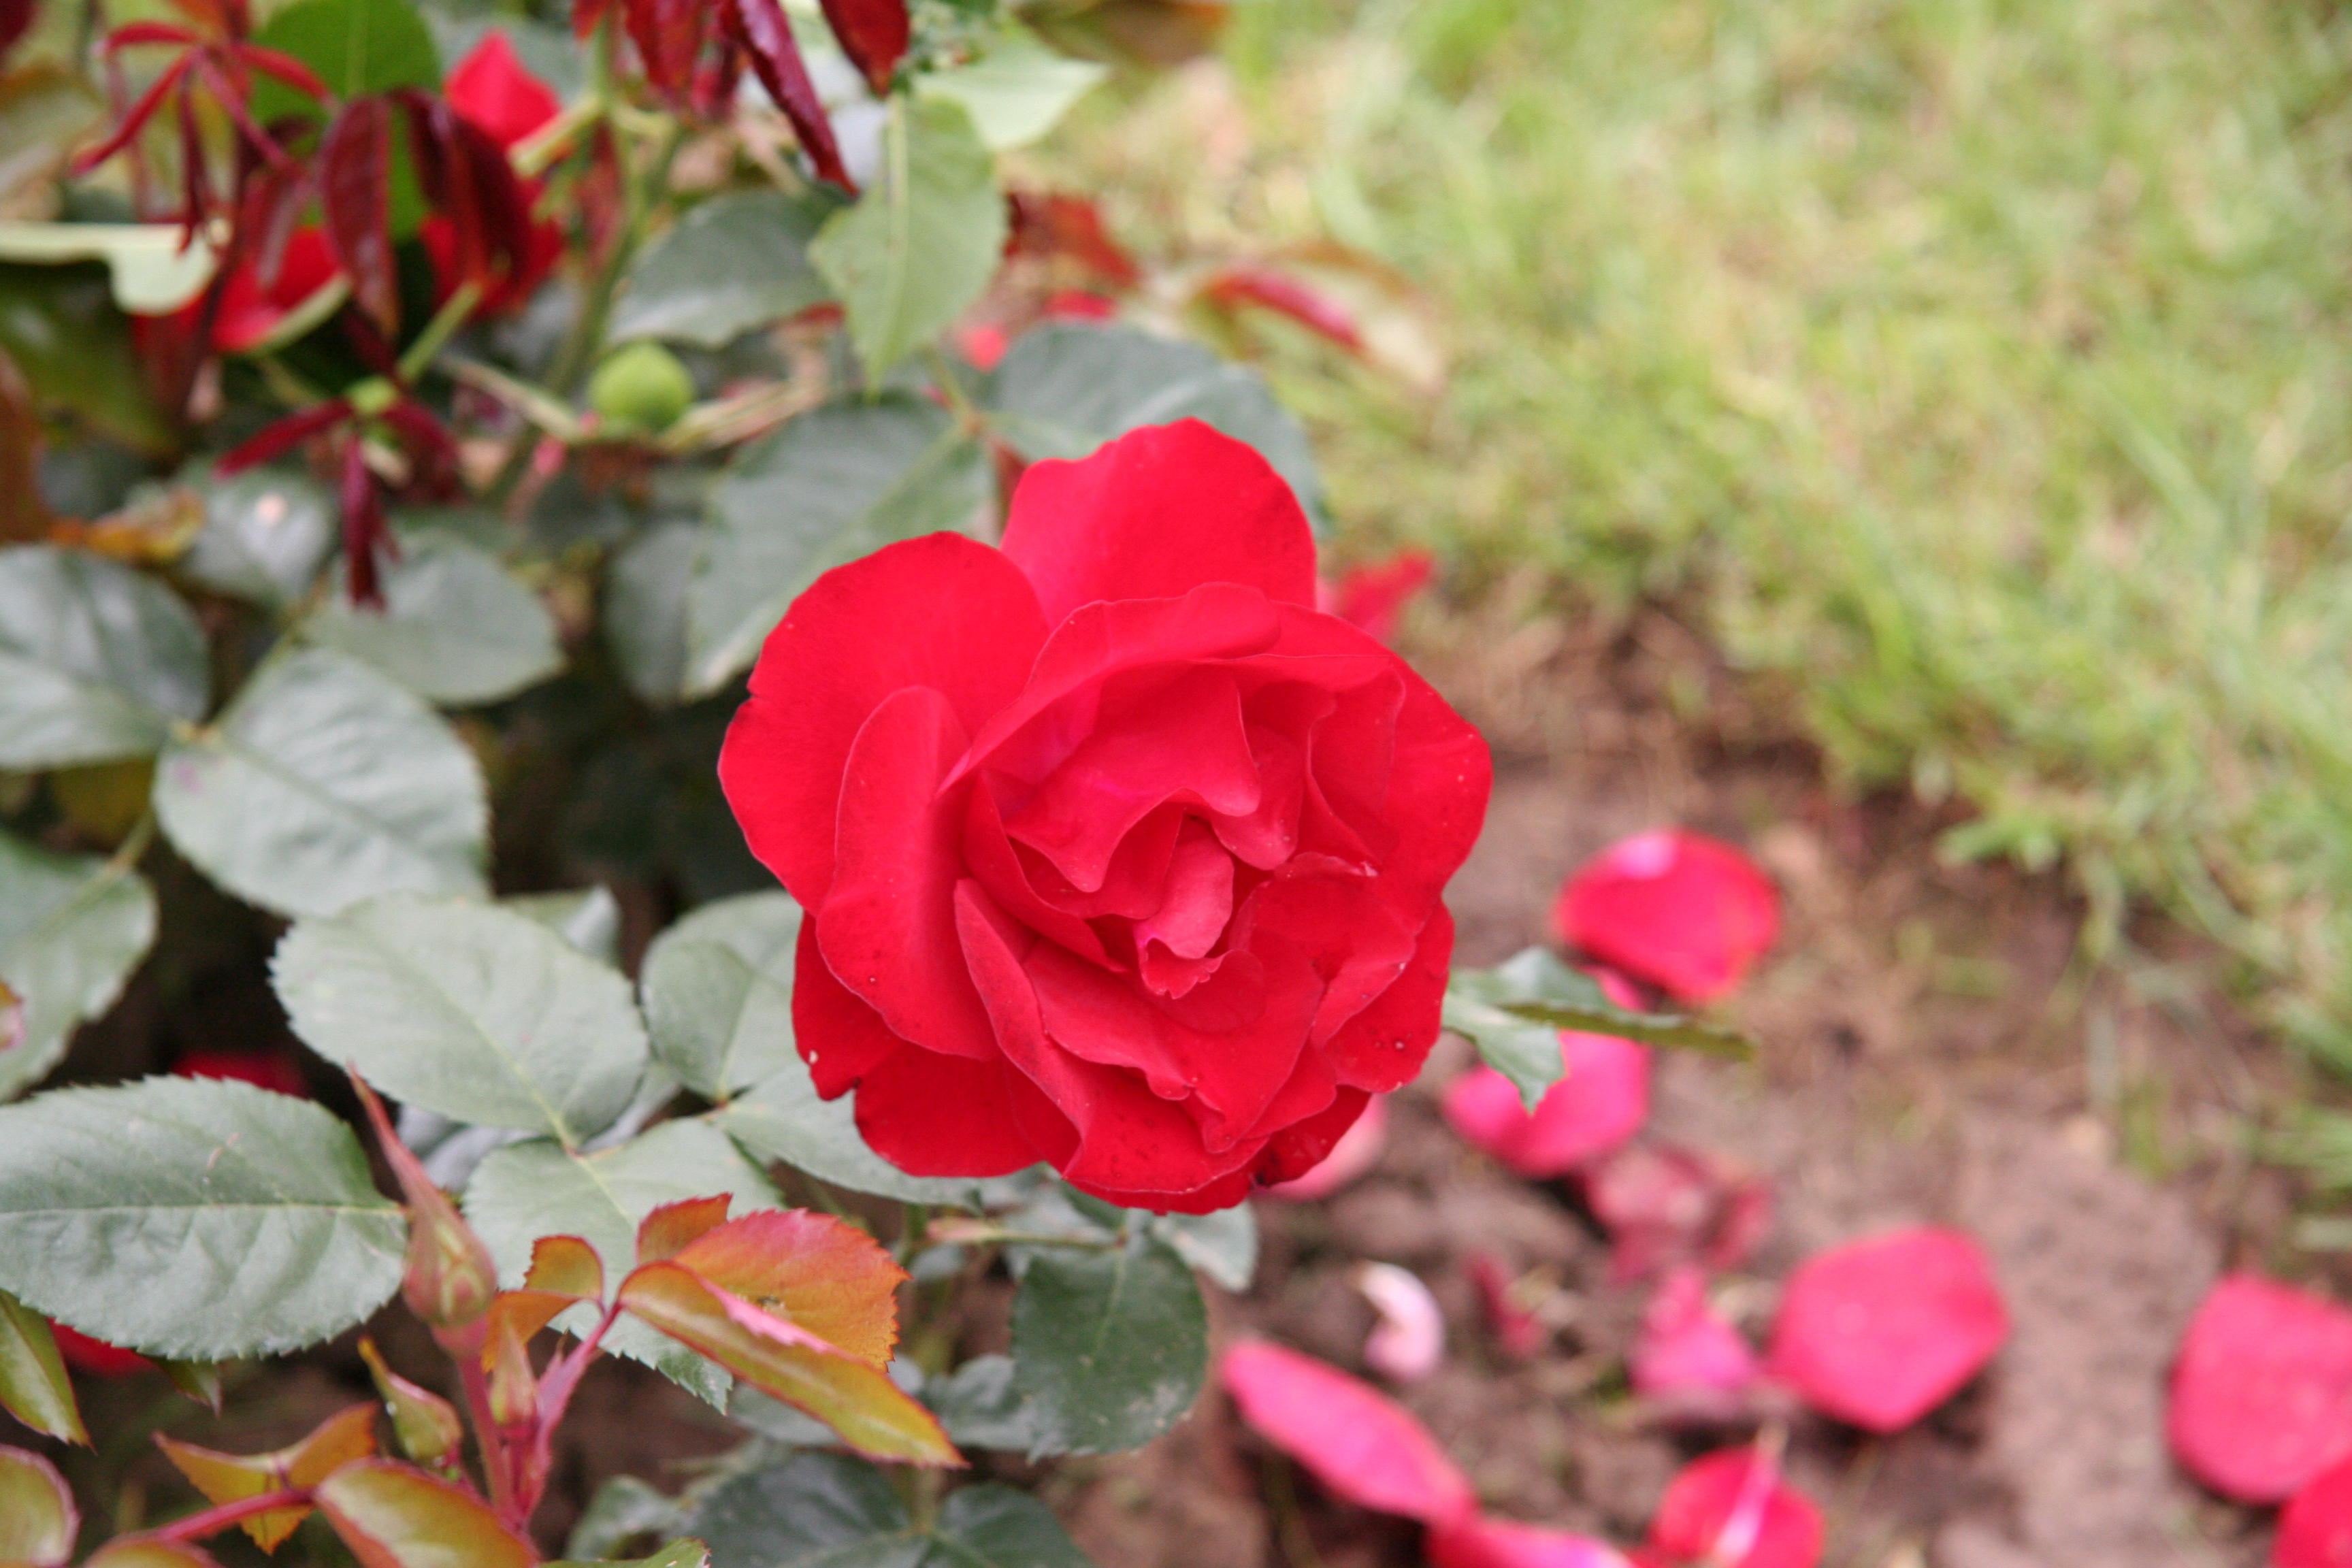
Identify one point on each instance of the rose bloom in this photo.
(1117, 854)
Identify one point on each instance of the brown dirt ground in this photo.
(1930, 1051)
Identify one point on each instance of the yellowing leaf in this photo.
(38, 1521)
(394, 1516)
(813, 1270)
(789, 1363)
(673, 1227)
(566, 1266)
(228, 1477)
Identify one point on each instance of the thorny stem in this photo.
(213, 1520)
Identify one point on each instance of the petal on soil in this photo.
(1481, 1542)
(1688, 1357)
(1409, 1340)
(1361, 1444)
(1684, 912)
(1730, 1509)
(2315, 1530)
(1879, 1333)
(2262, 1396)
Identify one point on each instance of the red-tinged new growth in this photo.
(2315, 1530)
(427, 1427)
(1881, 1332)
(450, 1278)
(231, 1478)
(1730, 1509)
(1361, 1445)
(2262, 1396)
(1685, 912)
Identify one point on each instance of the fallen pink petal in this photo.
(1880, 1332)
(2262, 1394)
(1360, 1443)
(1602, 1100)
(1483, 1542)
(2314, 1531)
(1517, 1329)
(1663, 1206)
(1688, 913)
(1410, 1339)
(1688, 1359)
(1731, 1509)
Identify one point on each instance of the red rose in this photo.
(1117, 854)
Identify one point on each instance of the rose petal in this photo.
(490, 87)
(1518, 1330)
(1155, 514)
(96, 1357)
(1362, 1445)
(1481, 1543)
(1881, 1332)
(2262, 1396)
(897, 1114)
(1371, 597)
(943, 612)
(1686, 1357)
(1353, 1156)
(1684, 912)
(2315, 1530)
(1410, 1339)
(1600, 1100)
(270, 1070)
(839, 1037)
(1663, 1205)
(1730, 1509)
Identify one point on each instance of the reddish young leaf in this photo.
(96, 1358)
(668, 35)
(1361, 1444)
(1410, 1339)
(271, 1069)
(874, 33)
(1688, 1359)
(1879, 1333)
(2315, 1530)
(394, 1516)
(1683, 912)
(1286, 296)
(427, 1425)
(1518, 1330)
(365, 531)
(1481, 1543)
(673, 1227)
(1371, 597)
(37, 1518)
(565, 1266)
(1730, 1509)
(281, 436)
(1354, 1155)
(232, 1478)
(134, 120)
(354, 186)
(789, 1363)
(2262, 1396)
(760, 28)
(286, 69)
(1663, 1205)
(490, 87)
(1601, 1101)
(816, 1272)
(1054, 226)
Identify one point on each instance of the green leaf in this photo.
(920, 246)
(676, 1554)
(37, 1519)
(324, 783)
(735, 262)
(781, 1118)
(34, 1386)
(823, 1510)
(62, 329)
(466, 1009)
(72, 928)
(623, 1508)
(719, 992)
(1066, 388)
(194, 1219)
(1110, 1347)
(1514, 1012)
(391, 1516)
(525, 1191)
(1223, 1245)
(589, 920)
(644, 609)
(357, 47)
(1015, 93)
(830, 487)
(983, 1407)
(152, 267)
(44, 110)
(96, 660)
(455, 627)
(266, 534)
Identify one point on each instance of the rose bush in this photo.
(1117, 854)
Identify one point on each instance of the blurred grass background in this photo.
(1980, 368)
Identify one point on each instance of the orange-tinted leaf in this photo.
(673, 1227)
(450, 1278)
(566, 1266)
(522, 1313)
(38, 1521)
(394, 1516)
(506, 1356)
(425, 1424)
(227, 1478)
(133, 1553)
(789, 1363)
(815, 1271)
(153, 531)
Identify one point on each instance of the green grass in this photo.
(1984, 369)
